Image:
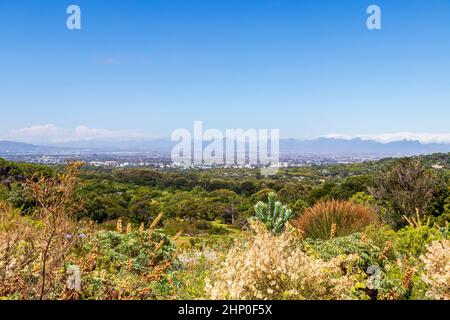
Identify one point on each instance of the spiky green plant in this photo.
(273, 214)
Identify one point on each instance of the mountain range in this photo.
(292, 146)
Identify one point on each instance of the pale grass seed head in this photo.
(437, 269)
(265, 266)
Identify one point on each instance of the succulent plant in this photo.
(273, 214)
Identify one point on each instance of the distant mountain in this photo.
(318, 146)
(334, 145)
(132, 145)
(19, 147)
(315, 146)
(9, 146)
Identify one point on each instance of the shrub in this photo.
(17, 236)
(33, 249)
(408, 242)
(268, 266)
(382, 271)
(367, 252)
(195, 265)
(445, 216)
(413, 241)
(131, 265)
(403, 187)
(115, 249)
(273, 214)
(437, 270)
(317, 221)
(299, 206)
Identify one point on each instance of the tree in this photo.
(261, 195)
(8, 173)
(445, 217)
(292, 192)
(227, 201)
(321, 192)
(403, 187)
(350, 186)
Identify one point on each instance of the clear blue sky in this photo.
(307, 67)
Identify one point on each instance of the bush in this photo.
(404, 187)
(273, 214)
(334, 218)
(386, 271)
(34, 248)
(409, 242)
(368, 253)
(115, 250)
(17, 255)
(413, 241)
(132, 265)
(195, 265)
(268, 266)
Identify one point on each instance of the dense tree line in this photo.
(228, 195)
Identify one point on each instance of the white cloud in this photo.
(425, 138)
(50, 133)
(38, 132)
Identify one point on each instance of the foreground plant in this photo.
(17, 254)
(34, 248)
(334, 218)
(118, 265)
(267, 266)
(273, 214)
(437, 270)
(403, 187)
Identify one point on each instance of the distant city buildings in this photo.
(163, 161)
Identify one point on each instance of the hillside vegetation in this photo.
(373, 230)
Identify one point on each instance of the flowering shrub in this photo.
(437, 270)
(265, 266)
(347, 217)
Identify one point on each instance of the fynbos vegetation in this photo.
(376, 230)
(328, 219)
(273, 214)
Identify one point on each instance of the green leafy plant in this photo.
(413, 241)
(131, 265)
(273, 214)
(368, 253)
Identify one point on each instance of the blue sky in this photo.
(146, 67)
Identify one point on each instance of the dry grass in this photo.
(437, 270)
(348, 217)
(266, 266)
